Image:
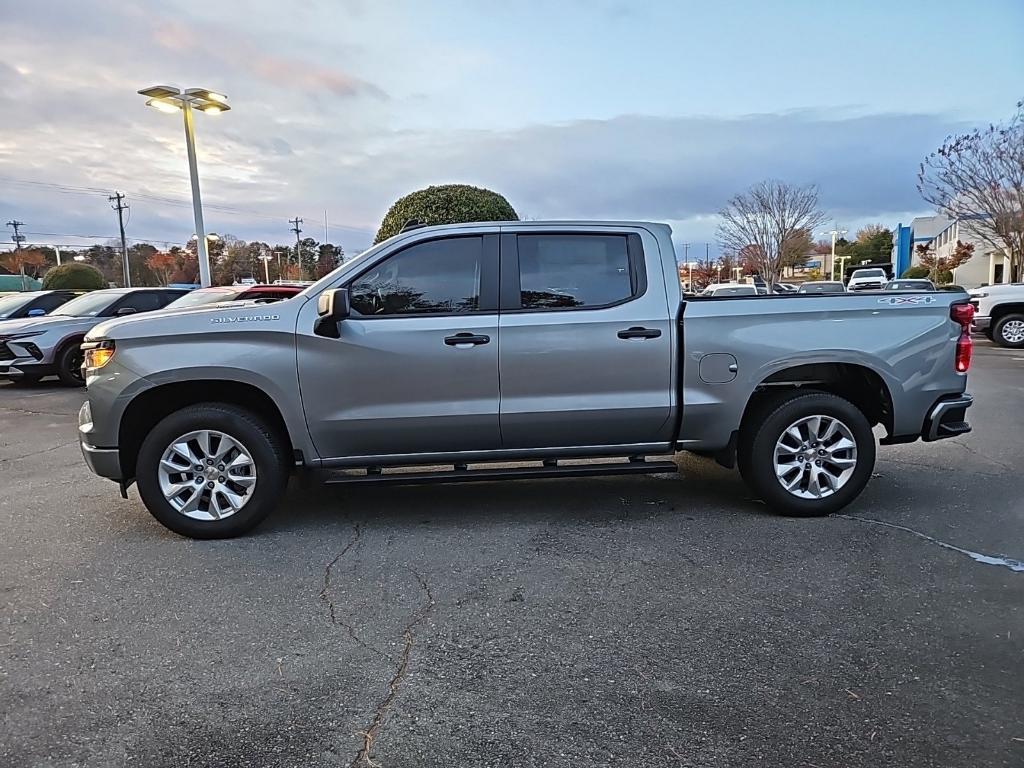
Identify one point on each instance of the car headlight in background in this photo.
(97, 354)
(20, 336)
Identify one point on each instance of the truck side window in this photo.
(437, 276)
(562, 271)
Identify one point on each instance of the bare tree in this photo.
(979, 177)
(766, 220)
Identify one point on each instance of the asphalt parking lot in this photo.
(650, 621)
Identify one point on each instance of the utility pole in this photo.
(326, 237)
(118, 205)
(18, 239)
(298, 243)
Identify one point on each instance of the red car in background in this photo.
(216, 294)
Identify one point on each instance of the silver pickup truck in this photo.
(514, 350)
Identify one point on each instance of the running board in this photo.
(462, 474)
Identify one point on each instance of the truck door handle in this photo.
(466, 339)
(639, 333)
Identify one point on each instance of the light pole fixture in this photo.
(167, 98)
(835, 233)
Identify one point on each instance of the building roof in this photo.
(927, 227)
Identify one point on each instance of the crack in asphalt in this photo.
(336, 620)
(34, 413)
(370, 734)
(37, 453)
(974, 451)
(1001, 560)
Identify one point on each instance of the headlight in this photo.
(19, 336)
(97, 354)
(979, 295)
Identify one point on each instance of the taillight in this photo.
(963, 314)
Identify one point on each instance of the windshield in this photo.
(909, 285)
(11, 304)
(203, 296)
(90, 305)
(821, 288)
(869, 273)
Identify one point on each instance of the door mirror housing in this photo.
(332, 306)
(125, 311)
(36, 312)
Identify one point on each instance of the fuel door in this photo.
(718, 368)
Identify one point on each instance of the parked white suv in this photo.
(999, 313)
(873, 279)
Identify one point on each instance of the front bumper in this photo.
(981, 323)
(947, 418)
(16, 369)
(105, 462)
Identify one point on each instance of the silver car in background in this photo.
(34, 347)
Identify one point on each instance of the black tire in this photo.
(267, 448)
(1000, 328)
(756, 452)
(69, 364)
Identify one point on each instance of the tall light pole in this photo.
(166, 98)
(835, 233)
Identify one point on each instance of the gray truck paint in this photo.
(389, 391)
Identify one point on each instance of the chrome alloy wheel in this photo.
(1012, 331)
(207, 475)
(815, 457)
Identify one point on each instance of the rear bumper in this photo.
(947, 418)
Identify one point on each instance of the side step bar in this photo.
(462, 474)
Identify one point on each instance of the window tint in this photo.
(557, 271)
(51, 301)
(141, 302)
(438, 276)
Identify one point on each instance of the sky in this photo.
(594, 109)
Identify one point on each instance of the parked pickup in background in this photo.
(999, 313)
(873, 279)
(534, 344)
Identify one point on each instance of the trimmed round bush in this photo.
(445, 204)
(74, 275)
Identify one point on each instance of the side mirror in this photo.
(36, 312)
(332, 307)
(125, 311)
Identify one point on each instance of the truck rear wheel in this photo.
(1008, 331)
(212, 471)
(807, 455)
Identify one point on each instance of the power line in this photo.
(181, 202)
(118, 199)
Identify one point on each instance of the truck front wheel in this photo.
(212, 471)
(807, 455)
(1008, 331)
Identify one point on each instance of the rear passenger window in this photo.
(564, 271)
